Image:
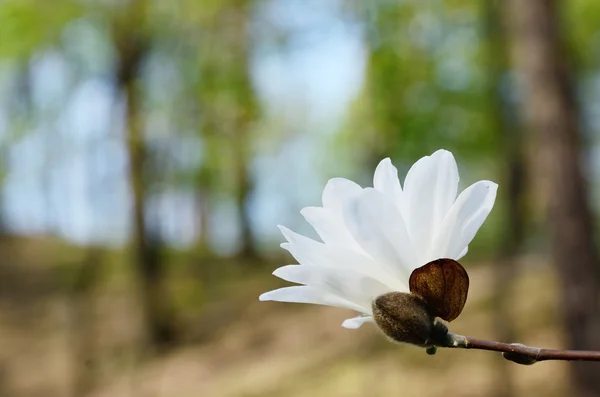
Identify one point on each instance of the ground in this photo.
(246, 348)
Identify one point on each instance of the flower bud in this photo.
(518, 357)
(404, 318)
(443, 284)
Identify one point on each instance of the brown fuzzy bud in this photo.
(404, 318)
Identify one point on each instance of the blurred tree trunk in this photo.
(244, 188)
(83, 324)
(553, 114)
(207, 175)
(386, 83)
(132, 48)
(4, 151)
(230, 105)
(513, 175)
(244, 114)
(203, 208)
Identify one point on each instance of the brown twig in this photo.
(516, 352)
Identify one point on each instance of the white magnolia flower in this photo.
(373, 238)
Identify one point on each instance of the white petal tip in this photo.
(264, 297)
(280, 270)
(446, 156)
(337, 191)
(349, 324)
(307, 212)
(382, 167)
(442, 152)
(492, 187)
(288, 234)
(356, 322)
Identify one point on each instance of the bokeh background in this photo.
(148, 149)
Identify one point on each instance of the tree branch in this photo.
(516, 352)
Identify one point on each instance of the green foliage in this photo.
(28, 25)
(580, 25)
(425, 88)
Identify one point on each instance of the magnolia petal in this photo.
(386, 181)
(429, 191)
(329, 225)
(357, 322)
(358, 288)
(446, 184)
(464, 219)
(306, 250)
(304, 294)
(378, 227)
(313, 253)
(338, 191)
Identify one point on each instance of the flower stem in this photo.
(516, 352)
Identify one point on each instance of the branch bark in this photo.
(517, 352)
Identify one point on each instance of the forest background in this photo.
(148, 149)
